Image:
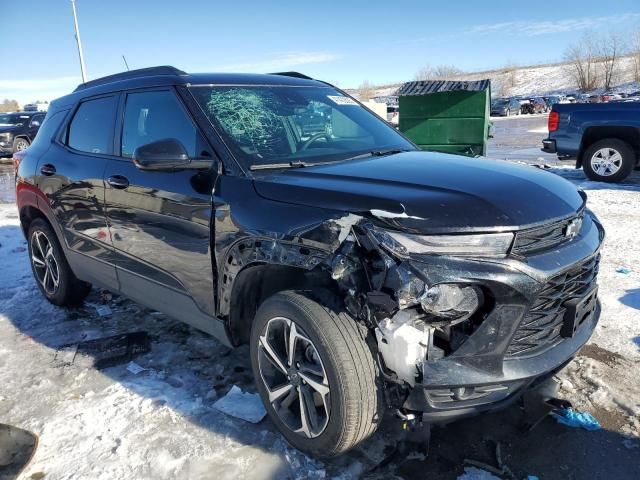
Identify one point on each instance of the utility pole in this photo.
(75, 21)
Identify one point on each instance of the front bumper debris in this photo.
(523, 340)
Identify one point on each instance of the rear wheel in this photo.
(50, 268)
(609, 160)
(315, 373)
(20, 144)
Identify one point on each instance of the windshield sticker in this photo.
(342, 100)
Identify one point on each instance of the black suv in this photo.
(364, 273)
(17, 130)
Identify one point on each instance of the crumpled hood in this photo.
(429, 192)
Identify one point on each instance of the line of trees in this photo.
(594, 61)
(9, 106)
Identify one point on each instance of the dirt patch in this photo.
(600, 354)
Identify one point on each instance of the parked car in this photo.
(505, 107)
(366, 275)
(535, 105)
(17, 130)
(602, 138)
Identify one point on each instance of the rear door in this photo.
(70, 175)
(160, 220)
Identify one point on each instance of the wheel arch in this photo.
(259, 281)
(630, 135)
(28, 214)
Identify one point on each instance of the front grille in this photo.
(540, 328)
(542, 238)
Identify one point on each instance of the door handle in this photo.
(47, 169)
(118, 181)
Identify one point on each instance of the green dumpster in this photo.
(446, 116)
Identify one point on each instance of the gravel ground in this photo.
(160, 423)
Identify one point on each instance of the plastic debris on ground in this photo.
(572, 418)
(244, 405)
(103, 352)
(623, 270)
(473, 473)
(134, 368)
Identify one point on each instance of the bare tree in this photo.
(583, 59)
(439, 72)
(9, 106)
(610, 47)
(366, 91)
(634, 51)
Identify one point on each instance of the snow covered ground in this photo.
(533, 80)
(160, 423)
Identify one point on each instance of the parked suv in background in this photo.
(17, 130)
(364, 274)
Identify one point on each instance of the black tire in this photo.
(623, 148)
(20, 143)
(69, 290)
(355, 397)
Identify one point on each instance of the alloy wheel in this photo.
(294, 376)
(44, 262)
(606, 162)
(21, 145)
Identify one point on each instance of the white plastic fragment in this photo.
(103, 310)
(386, 214)
(134, 368)
(244, 405)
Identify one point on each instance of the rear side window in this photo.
(49, 127)
(91, 129)
(157, 115)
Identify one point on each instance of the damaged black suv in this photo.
(275, 210)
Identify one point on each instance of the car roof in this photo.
(167, 76)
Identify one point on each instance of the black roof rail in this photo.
(140, 72)
(293, 74)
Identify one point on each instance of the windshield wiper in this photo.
(379, 153)
(301, 164)
(273, 166)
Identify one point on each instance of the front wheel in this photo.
(50, 268)
(609, 160)
(20, 144)
(315, 373)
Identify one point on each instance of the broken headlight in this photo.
(451, 301)
(478, 245)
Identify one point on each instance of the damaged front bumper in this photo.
(544, 308)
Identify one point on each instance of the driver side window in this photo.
(158, 115)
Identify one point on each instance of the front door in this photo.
(160, 221)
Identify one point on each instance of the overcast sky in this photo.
(343, 42)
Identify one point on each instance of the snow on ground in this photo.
(161, 422)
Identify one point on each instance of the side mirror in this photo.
(35, 123)
(165, 154)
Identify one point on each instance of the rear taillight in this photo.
(554, 120)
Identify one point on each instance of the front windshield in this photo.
(13, 119)
(499, 103)
(265, 125)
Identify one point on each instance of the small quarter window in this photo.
(91, 129)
